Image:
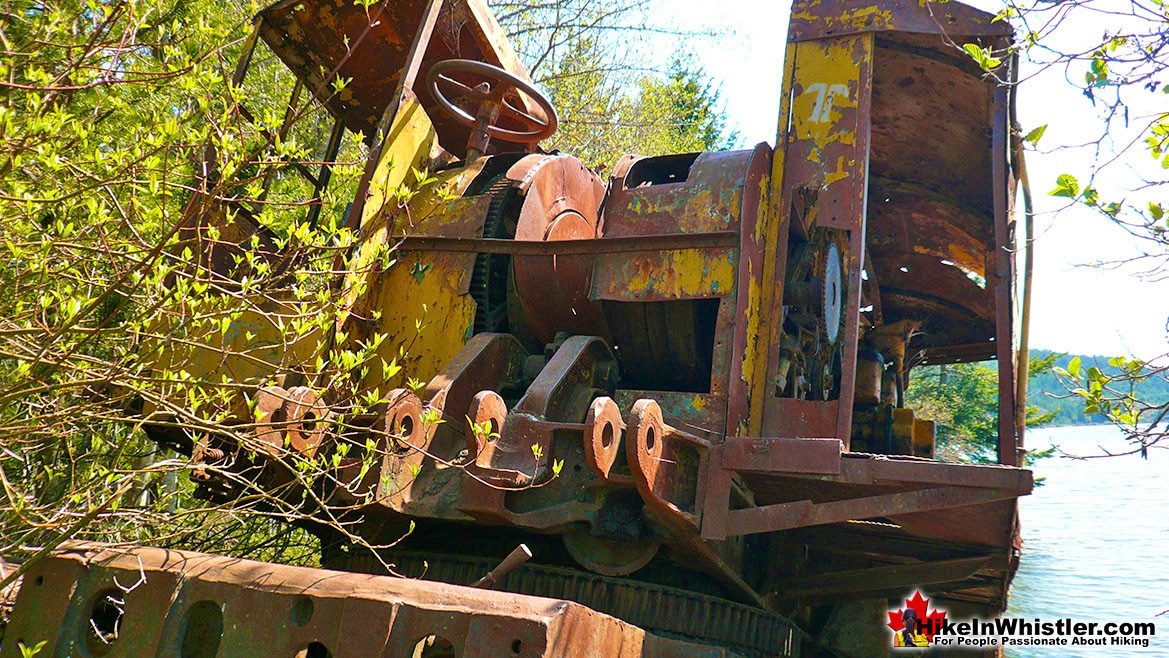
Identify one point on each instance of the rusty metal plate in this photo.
(828, 140)
(782, 455)
(706, 196)
(100, 600)
(930, 123)
(800, 419)
(814, 19)
(320, 40)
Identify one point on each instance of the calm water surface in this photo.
(1095, 541)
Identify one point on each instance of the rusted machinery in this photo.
(688, 376)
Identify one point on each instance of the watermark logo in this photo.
(916, 624)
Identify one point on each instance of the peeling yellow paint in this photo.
(764, 288)
(253, 347)
(842, 171)
(826, 76)
(678, 274)
(703, 210)
(870, 18)
(674, 274)
(425, 313)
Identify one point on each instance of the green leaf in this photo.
(1067, 186)
(1035, 135)
(1097, 76)
(420, 270)
(983, 56)
(28, 652)
(1074, 367)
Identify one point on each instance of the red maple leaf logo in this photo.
(928, 623)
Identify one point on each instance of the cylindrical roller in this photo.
(870, 366)
(562, 200)
(608, 557)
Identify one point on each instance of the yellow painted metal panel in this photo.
(249, 341)
(417, 302)
(673, 274)
(765, 289)
(827, 78)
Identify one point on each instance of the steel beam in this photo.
(802, 513)
(767, 455)
(874, 579)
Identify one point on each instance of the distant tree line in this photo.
(1054, 393)
(1063, 389)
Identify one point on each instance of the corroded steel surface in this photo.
(669, 611)
(153, 602)
(322, 40)
(931, 226)
(816, 19)
(718, 192)
(562, 201)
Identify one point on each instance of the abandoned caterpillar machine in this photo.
(678, 387)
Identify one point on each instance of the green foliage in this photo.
(1035, 134)
(1120, 71)
(1129, 393)
(983, 56)
(1067, 186)
(592, 58)
(1076, 389)
(1062, 389)
(108, 112)
(604, 117)
(683, 112)
(962, 399)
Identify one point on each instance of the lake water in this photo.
(1095, 540)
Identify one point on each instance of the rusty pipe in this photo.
(513, 561)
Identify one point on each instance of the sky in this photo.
(1075, 308)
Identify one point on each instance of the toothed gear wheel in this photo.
(831, 293)
(489, 275)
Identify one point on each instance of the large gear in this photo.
(660, 609)
(816, 294)
(489, 277)
(831, 288)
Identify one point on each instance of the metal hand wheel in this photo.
(494, 90)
